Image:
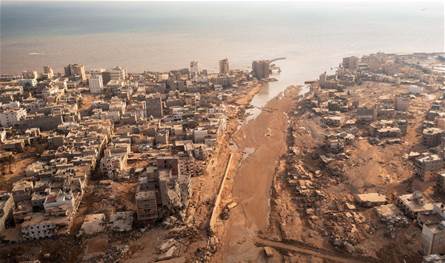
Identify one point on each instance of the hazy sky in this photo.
(373, 1)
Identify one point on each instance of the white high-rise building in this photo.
(95, 83)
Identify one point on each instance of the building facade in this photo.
(95, 84)
(261, 69)
(76, 70)
(11, 117)
(224, 66)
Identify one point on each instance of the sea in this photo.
(161, 36)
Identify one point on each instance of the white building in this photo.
(117, 104)
(62, 83)
(95, 83)
(199, 135)
(2, 136)
(114, 162)
(114, 84)
(114, 116)
(116, 73)
(59, 204)
(11, 116)
(52, 90)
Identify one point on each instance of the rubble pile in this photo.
(346, 183)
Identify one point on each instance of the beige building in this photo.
(432, 136)
(146, 205)
(116, 73)
(114, 162)
(414, 204)
(433, 238)
(350, 63)
(224, 66)
(78, 70)
(402, 102)
(48, 72)
(433, 234)
(6, 205)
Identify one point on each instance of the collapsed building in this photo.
(414, 204)
(162, 190)
(6, 207)
(114, 162)
(386, 129)
(428, 162)
(335, 143)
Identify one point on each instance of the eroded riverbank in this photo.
(258, 147)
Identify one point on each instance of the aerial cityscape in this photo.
(151, 133)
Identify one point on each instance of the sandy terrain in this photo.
(87, 101)
(260, 144)
(368, 168)
(10, 173)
